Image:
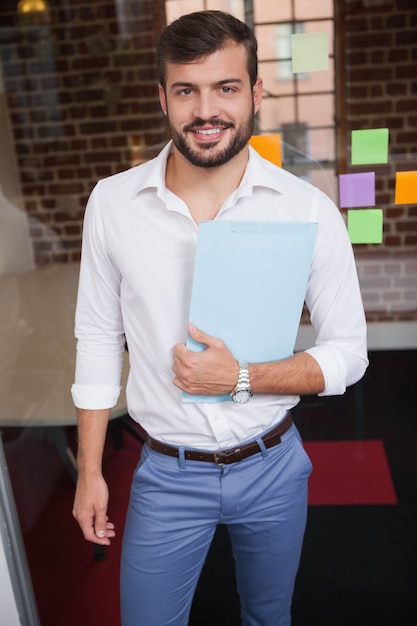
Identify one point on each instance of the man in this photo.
(136, 274)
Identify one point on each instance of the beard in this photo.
(207, 156)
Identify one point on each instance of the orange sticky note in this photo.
(406, 187)
(269, 147)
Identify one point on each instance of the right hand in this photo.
(90, 510)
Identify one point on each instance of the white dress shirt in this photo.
(136, 273)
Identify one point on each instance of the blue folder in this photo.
(249, 286)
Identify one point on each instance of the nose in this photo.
(206, 106)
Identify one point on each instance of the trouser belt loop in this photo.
(181, 457)
(262, 446)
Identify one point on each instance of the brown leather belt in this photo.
(229, 455)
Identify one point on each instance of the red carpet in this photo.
(71, 588)
(349, 472)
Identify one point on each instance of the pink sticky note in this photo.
(357, 189)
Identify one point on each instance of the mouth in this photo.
(209, 131)
(209, 137)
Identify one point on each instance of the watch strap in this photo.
(243, 380)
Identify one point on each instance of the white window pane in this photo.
(313, 9)
(268, 73)
(272, 11)
(322, 144)
(235, 7)
(176, 8)
(316, 110)
(267, 42)
(317, 81)
(326, 180)
(275, 112)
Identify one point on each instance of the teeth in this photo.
(210, 131)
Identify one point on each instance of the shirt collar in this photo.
(262, 173)
(258, 173)
(152, 173)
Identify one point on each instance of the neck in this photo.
(204, 190)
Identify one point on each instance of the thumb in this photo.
(198, 335)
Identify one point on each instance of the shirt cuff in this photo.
(333, 367)
(94, 397)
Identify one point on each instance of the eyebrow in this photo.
(224, 81)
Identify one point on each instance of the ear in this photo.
(257, 94)
(162, 99)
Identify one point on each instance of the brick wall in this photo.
(380, 52)
(81, 93)
(379, 90)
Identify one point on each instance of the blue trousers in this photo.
(174, 509)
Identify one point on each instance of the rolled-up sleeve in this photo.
(98, 320)
(335, 304)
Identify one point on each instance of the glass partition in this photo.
(79, 102)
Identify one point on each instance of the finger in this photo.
(100, 525)
(179, 350)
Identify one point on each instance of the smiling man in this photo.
(239, 462)
(222, 110)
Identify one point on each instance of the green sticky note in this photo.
(370, 146)
(310, 52)
(365, 225)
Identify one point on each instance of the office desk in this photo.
(37, 354)
(381, 336)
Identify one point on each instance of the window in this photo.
(283, 48)
(299, 106)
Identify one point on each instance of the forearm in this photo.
(298, 375)
(91, 495)
(92, 428)
(214, 371)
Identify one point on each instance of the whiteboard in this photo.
(17, 602)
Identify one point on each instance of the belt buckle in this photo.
(221, 458)
(217, 460)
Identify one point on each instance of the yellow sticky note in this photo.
(365, 225)
(268, 146)
(310, 52)
(406, 187)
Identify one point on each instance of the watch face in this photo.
(240, 397)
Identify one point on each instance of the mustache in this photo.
(198, 122)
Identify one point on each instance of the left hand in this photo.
(212, 372)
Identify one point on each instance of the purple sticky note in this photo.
(357, 189)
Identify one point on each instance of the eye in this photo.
(184, 92)
(226, 89)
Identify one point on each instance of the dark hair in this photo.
(197, 35)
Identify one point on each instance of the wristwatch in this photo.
(242, 392)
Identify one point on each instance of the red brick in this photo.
(409, 138)
(398, 55)
(405, 37)
(407, 226)
(68, 189)
(405, 71)
(396, 21)
(371, 74)
(406, 105)
(397, 89)
(96, 128)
